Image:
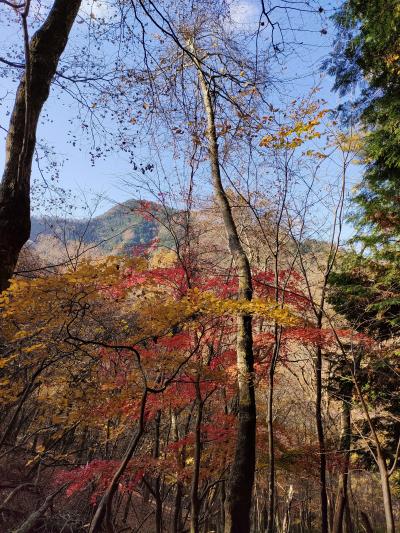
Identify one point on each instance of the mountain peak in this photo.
(118, 230)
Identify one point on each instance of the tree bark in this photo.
(366, 522)
(157, 481)
(34, 518)
(194, 492)
(177, 519)
(11, 424)
(321, 437)
(271, 443)
(104, 508)
(287, 517)
(345, 444)
(42, 56)
(386, 493)
(380, 461)
(237, 518)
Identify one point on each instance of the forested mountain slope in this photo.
(124, 226)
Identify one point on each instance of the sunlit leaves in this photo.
(299, 127)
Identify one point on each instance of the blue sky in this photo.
(104, 179)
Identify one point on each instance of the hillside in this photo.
(117, 230)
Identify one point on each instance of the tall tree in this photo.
(42, 54)
(243, 468)
(355, 294)
(366, 55)
(203, 86)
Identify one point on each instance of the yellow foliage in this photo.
(162, 259)
(33, 347)
(63, 319)
(350, 142)
(210, 304)
(301, 128)
(4, 361)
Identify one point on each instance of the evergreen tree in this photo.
(367, 55)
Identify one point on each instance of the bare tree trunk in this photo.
(271, 455)
(345, 443)
(42, 55)
(270, 426)
(321, 438)
(380, 461)
(159, 506)
(33, 518)
(105, 504)
(157, 483)
(17, 489)
(318, 308)
(222, 506)
(366, 523)
(237, 519)
(177, 525)
(386, 493)
(177, 520)
(287, 517)
(27, 391)
(348, 521)
(194, 492)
